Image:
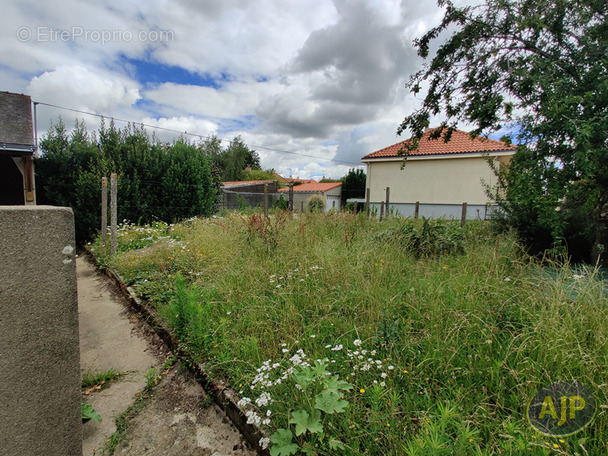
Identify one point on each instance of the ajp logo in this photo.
(561, 409)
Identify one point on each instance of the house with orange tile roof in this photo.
(331, 191)
(439, 176)
(295, 180)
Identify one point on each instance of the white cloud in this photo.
(232, 100)
(85, 89)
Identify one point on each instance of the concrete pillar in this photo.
(39, 347)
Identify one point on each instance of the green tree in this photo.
(232, 161)
(63, 173)
(353, 185)
(540, 66)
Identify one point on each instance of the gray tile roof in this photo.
(16, 119)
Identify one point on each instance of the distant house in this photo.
(17, 149)
(332, 191)
(439, 176)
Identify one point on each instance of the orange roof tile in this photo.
(313, 187)
(460, 143)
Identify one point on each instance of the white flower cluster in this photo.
(363, 361)
(269, 374)
(264, 442)
(282, 280)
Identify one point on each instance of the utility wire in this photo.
(191, 134)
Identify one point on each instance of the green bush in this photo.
(316, 203)
(429, 237)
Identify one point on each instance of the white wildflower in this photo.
(253, 418)
(264, 441)
(263, 400)
(243, 402)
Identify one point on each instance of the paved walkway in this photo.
(179, 417)
(108, 341)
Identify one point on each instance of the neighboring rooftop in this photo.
(313, 187)
(16, 120)
(289, 179)
(460, 143)
(230, 184)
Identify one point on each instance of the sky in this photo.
(311, 85)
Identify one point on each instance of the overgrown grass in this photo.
(443, 347)
(94, 378)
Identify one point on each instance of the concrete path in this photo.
(179, 419)
(108, 341)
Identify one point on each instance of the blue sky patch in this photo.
(154, 73)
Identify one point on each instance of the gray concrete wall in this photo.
(446, 211)
(39, 345)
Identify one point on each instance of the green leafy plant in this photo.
(88, 413)
(310, 427)
(429, 237)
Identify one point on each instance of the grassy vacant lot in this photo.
(354, 336)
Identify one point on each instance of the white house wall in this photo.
(432, 181)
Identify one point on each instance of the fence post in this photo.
(356, 207)
(301, 206)
(367, 203)
(104, 210)
(417, 209)
(113, 214)
(388, 191)
(381, 209)
(266, 200)
(291, 197)
(463, 216)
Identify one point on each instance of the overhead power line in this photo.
(191, 134)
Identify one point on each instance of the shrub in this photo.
(431, 237)
(316, 203)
